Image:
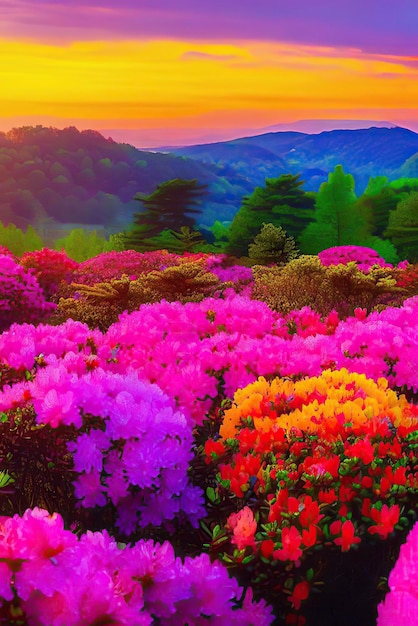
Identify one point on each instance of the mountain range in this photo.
(391, 152)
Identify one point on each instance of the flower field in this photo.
(188, 441)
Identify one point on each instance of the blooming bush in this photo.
(401, 603)
(131, 447)
(365, 258)
(113, 265)
(21, 298)
(51, 268)
(50, 577)
(320, 463)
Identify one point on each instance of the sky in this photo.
(167, 72)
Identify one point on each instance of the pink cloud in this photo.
(381, 27)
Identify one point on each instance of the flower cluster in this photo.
(401, 603)
(21, 297)
(132, 446)
(322, 461)
(51, 268)
(365, 258)
(113, 265)
(52, 578)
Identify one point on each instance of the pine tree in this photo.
(281, 202)
(170, 206)
(403, 228)
(338, 219)
(272, 245)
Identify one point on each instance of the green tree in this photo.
(339, 221)
(281, 202)
(376, 203)
(81, 245)
(170, 206)
(272, 245)
(183, 240)
(403, 227)
(17, 241)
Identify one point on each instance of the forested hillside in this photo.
(391, 152)
(69, 176)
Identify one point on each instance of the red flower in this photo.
(309, 536)
(291, 540)
(310, 513)
(213, 449)
(266, 548)
(300, 593)
(327, 497)
(348, 537)
(385, 519)
(362, 450)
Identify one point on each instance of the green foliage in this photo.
(272, 245)
(81, 245)
(100, 305)
(184, 240)
(19, 242)
(339, 220)
(376, 203)
(403, 227)
(306, 282)
(170, 206)
(281, 202)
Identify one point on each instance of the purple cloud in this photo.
(379, 27)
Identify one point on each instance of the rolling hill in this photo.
(362, 152)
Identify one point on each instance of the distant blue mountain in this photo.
(362, 152)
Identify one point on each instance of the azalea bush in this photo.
(400, 605)
(130, 448)
(51, 577)
(21, 297)
(364, 257)
(51, 268)
(304, 469)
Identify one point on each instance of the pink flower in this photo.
(244, 528)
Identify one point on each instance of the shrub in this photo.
(305, 469)
(51, 269)
(307, 282)
(21, 297)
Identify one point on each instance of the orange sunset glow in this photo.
(181, 72)
(177, 84)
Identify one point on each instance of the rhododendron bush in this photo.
(324, 461)
(51, 577)
(281, 445)
(401, 603)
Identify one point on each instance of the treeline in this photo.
(384, 217)
(69, 176)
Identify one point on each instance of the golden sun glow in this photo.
(176, 82)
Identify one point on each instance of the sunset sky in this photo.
(179, 71)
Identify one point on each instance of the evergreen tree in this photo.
(403, 228)
(376, 203)
(339, 221)
(272, 245)
(184, 240)
(281, 202)
(170, 206)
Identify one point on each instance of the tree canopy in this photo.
(281, 202)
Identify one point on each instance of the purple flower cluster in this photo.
(136, 455)
(196, 351)
(58, 579)
(365, 258)
(21, 297)
(401, 603)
